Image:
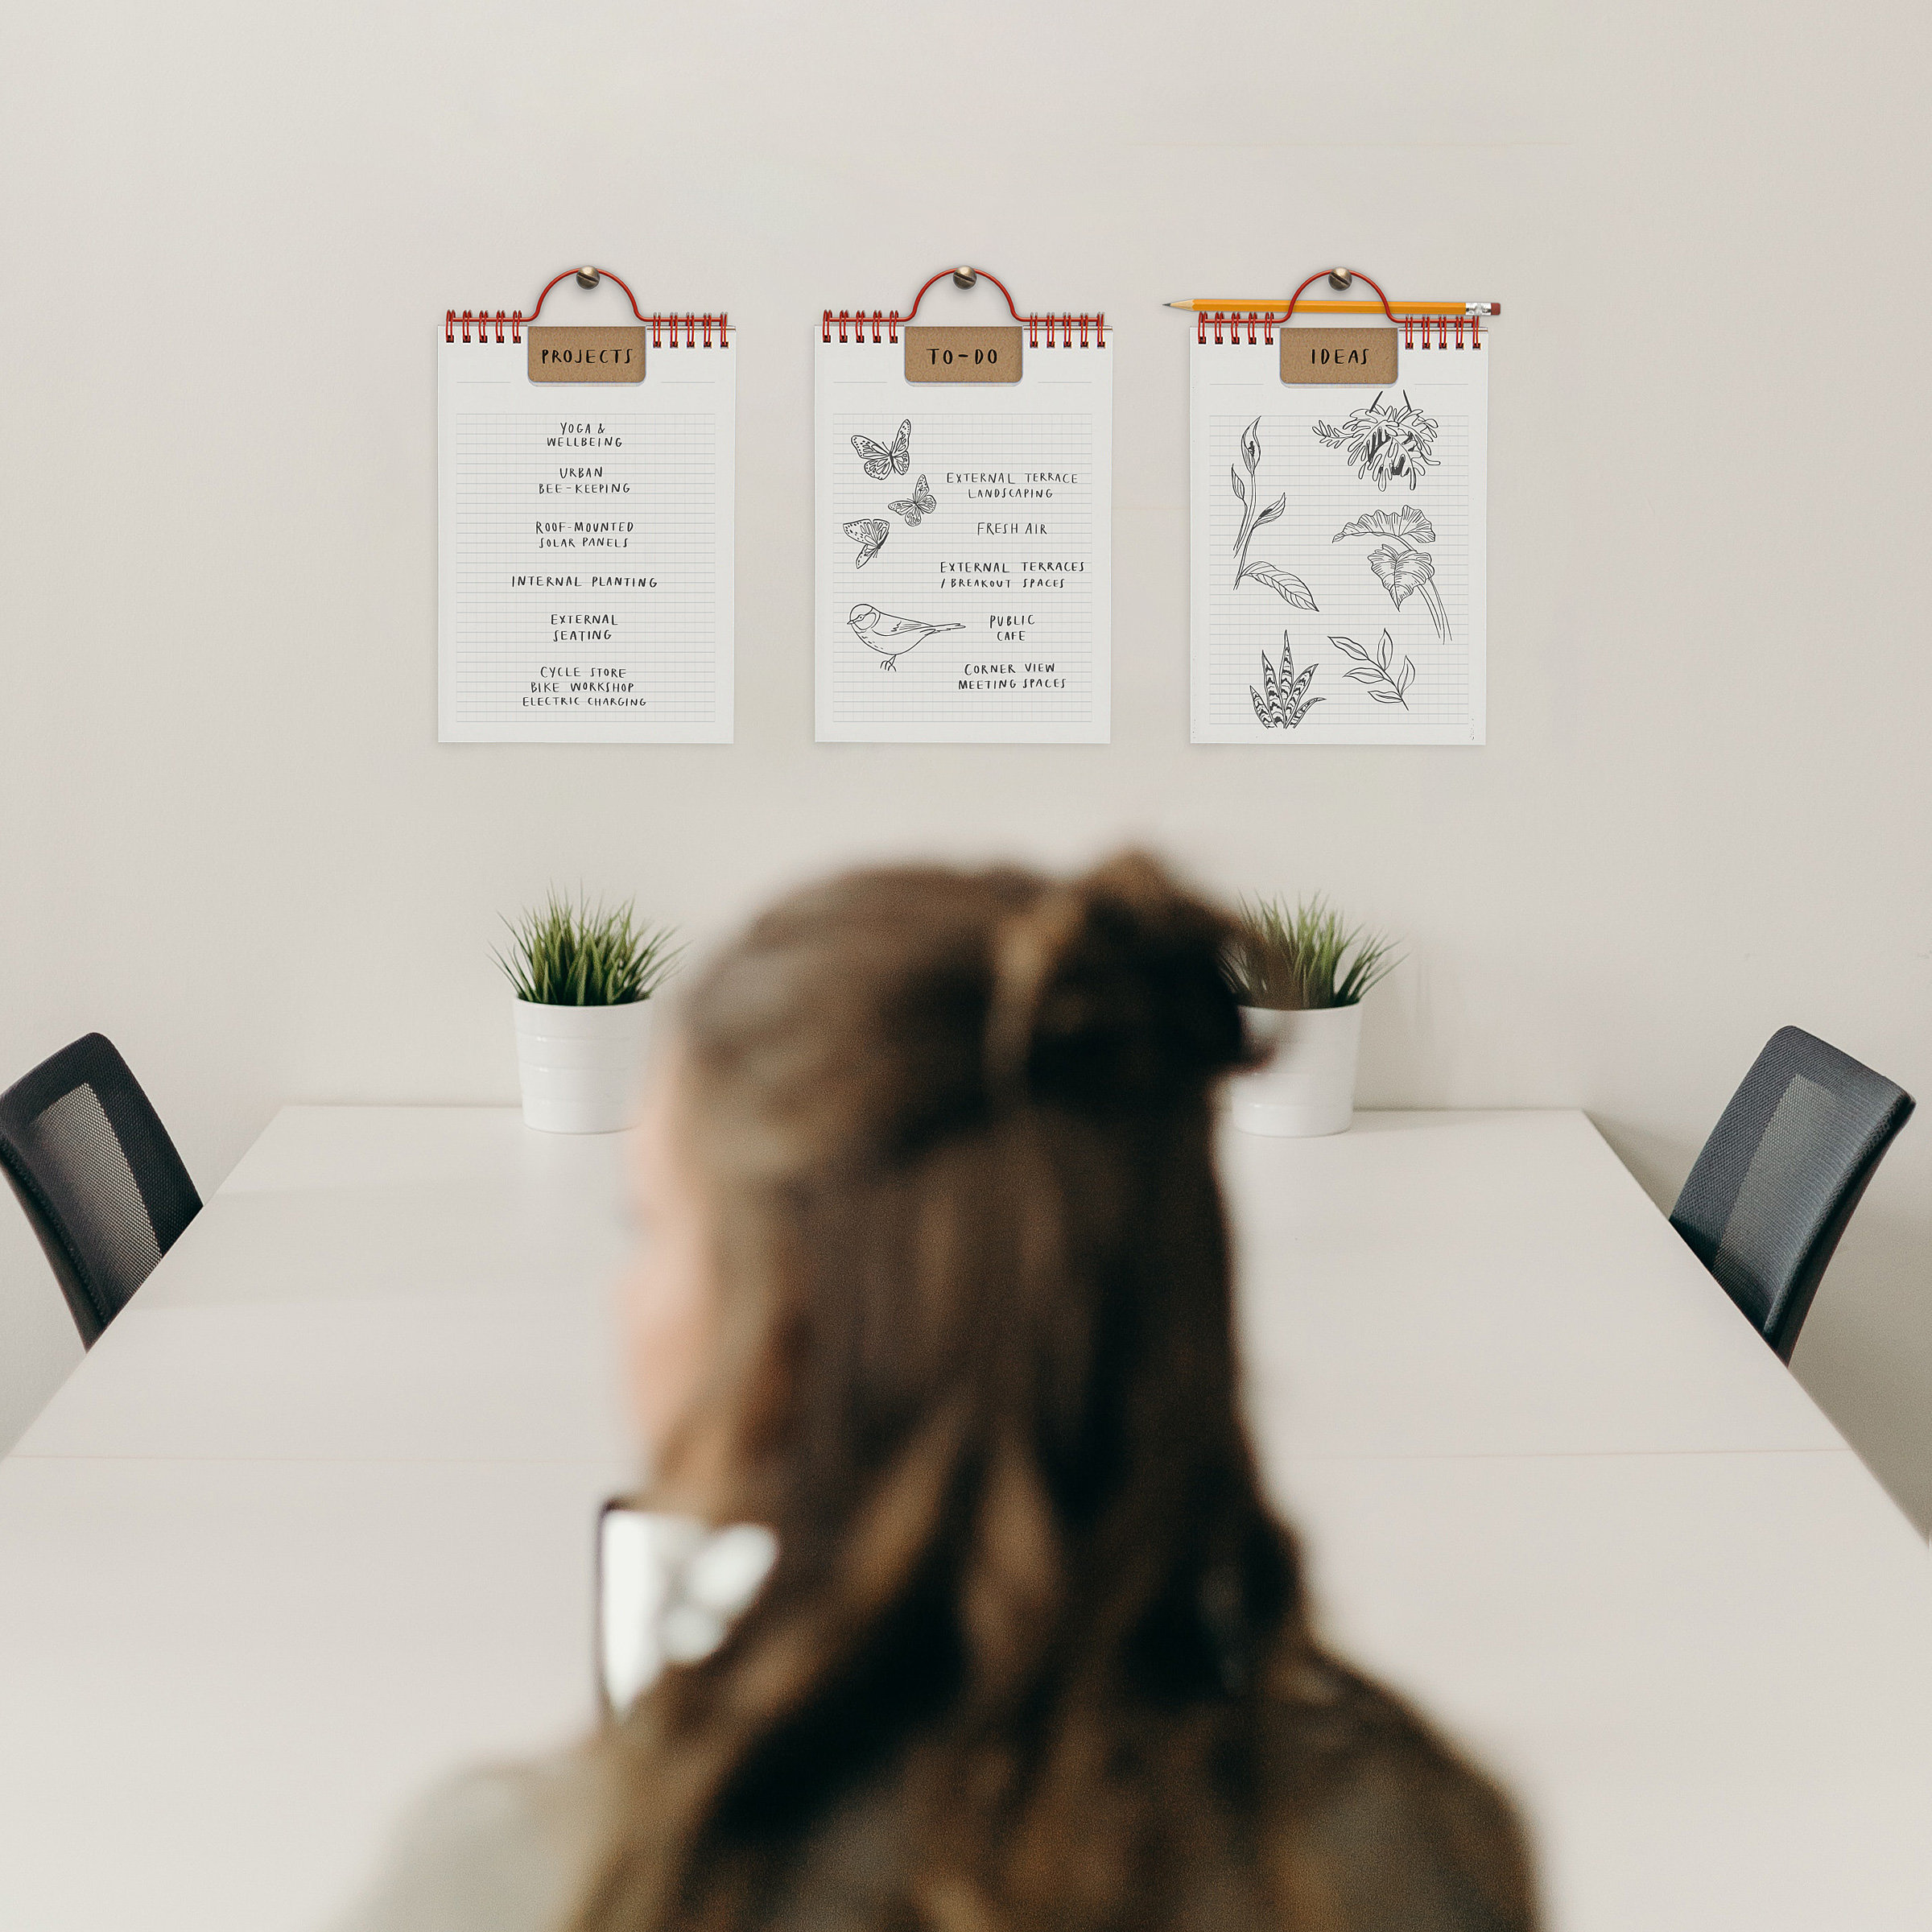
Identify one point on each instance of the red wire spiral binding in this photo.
(697, 329)
(1228, 327)
(693, 325)
(1060, 328)
(1232, 323)
(883, 326)
(711, 331)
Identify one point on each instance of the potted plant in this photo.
(1300, 975)
(583, 977)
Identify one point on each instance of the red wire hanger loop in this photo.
(587, 278)
(660, 326)
(1338, 279)
(964, 278)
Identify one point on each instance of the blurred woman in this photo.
(936, 1289)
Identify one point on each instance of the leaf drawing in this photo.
(1401, 567)
(1400, 571)
(1287, 701)
(1408, 521)
(1374, 670)
(1283, 582)
(1385, 445)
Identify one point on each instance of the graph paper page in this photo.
(966, 595)
(1356, 615)
(586, 541)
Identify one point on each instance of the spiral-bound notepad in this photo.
(964, 541)
(586, 500)
(1338, 588)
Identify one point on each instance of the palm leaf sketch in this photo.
(1285, 583)
(1402, 570)
(1287, 701)
(1405, 522)
(1384, 445)
(1403, 565)
(1374, 670)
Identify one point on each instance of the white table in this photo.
(312, 1523)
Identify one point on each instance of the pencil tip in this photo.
(1173, 305)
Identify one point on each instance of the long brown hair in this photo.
(978, 1374)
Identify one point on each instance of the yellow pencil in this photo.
(1275, 305)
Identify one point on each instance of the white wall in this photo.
(232, 842)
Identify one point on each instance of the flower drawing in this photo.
(1385, 445)
(1285, 583)
(1287, 701)
(1403, 565)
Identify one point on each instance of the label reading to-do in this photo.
(963, 355)
(1338, 355)
(586, 355)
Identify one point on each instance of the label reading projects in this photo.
(1337, 541)
(963, 547)
(585, 490)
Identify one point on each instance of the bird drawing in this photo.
(889, 636)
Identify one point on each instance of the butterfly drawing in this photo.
(881, 462)
(869, 533)
(921, 503)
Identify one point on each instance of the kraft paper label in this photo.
(963, 355)
(1338, 355)
(586, 355)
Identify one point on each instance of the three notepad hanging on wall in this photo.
(586, 487)
(1337, 549)
(964, 527)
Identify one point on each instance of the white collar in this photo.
(670, 1589)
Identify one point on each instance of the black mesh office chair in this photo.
(1780, 1174)
(97, 1175)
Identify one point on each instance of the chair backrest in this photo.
(99, 1178)
(1780, 1174)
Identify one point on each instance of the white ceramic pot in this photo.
(1308, 1088)
(582, 1067)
